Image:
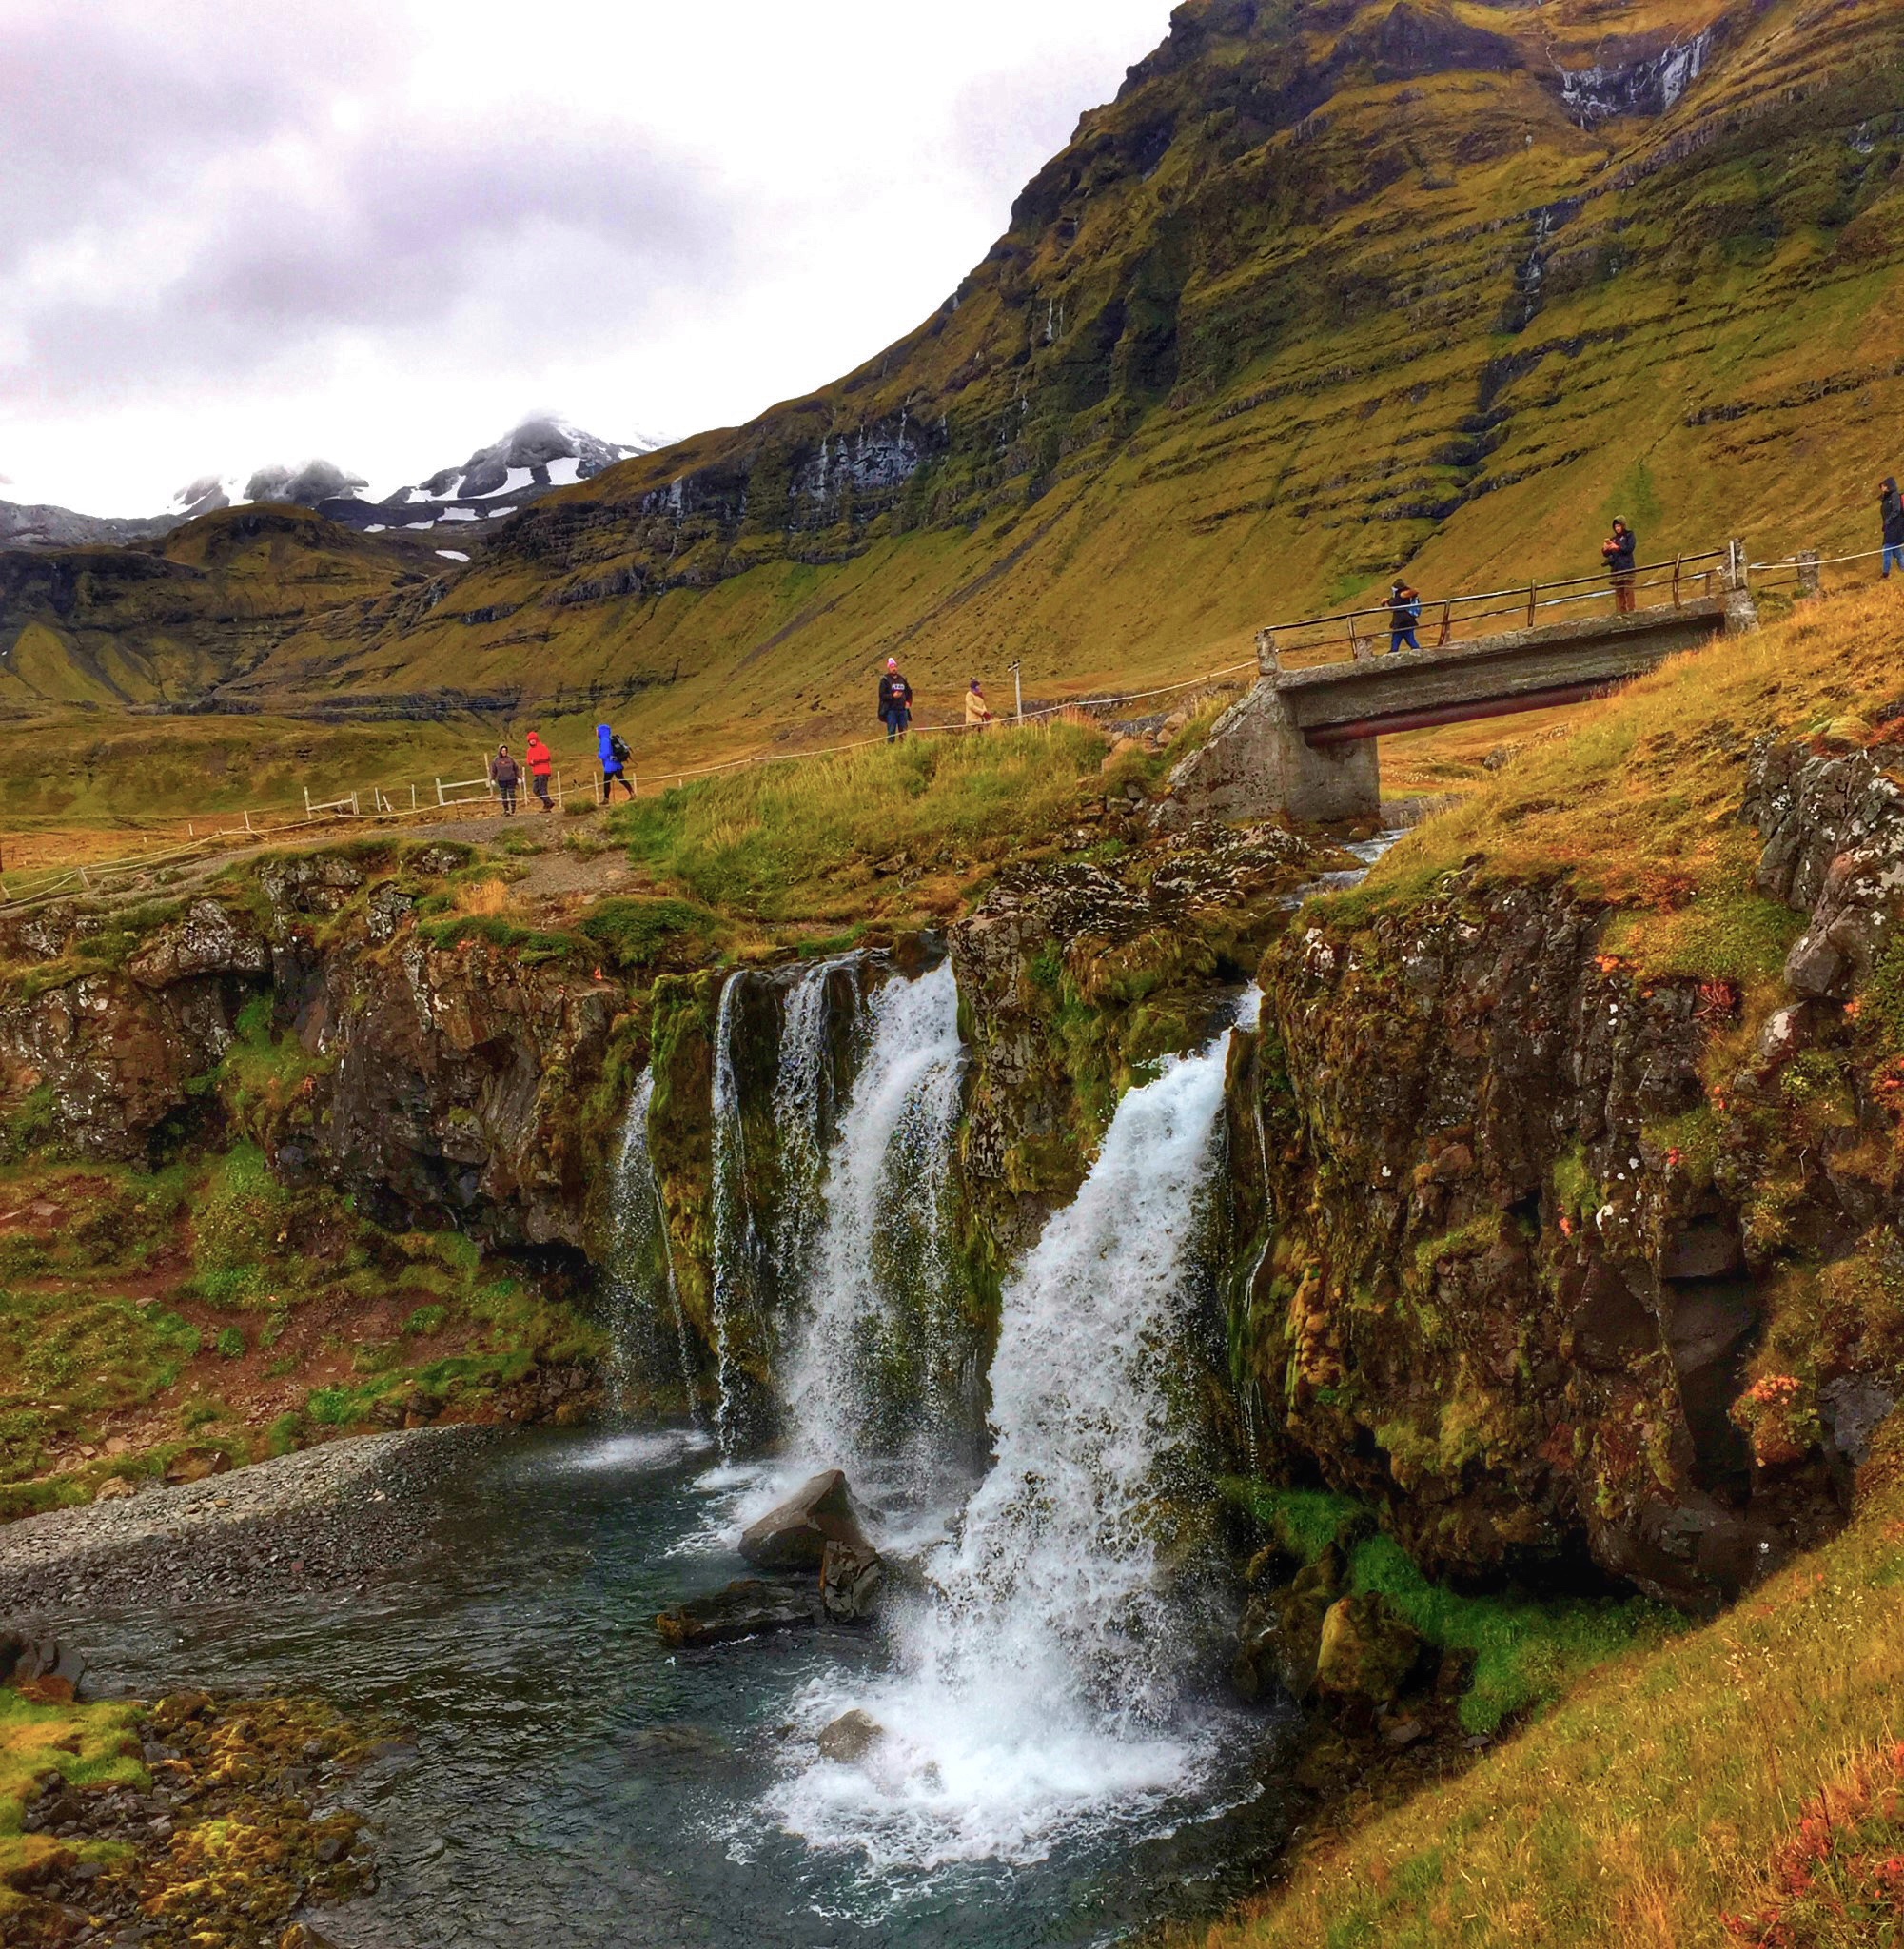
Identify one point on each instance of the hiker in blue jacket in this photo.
(614, 756)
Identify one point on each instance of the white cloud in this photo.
(255, 234)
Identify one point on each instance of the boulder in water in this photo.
(1369, 1650)
(850, 1736)
(853, 1580)
(794, 1536)
(742, 1610)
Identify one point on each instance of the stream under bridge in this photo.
(1304, 743)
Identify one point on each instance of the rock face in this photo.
(1280, 1640)
(1546, 1228)
(443, 1080)
(796, 1535)
(1368, 1652)
(748, 1608)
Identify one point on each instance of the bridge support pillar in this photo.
(1258, 764)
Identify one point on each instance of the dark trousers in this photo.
(1397, 637)
(895, 724)
(542, 789)
(508, 793)
(613, 775)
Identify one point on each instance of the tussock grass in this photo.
(1670, 1789)
(800, 842)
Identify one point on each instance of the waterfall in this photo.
(644, 1259)
(803, 1090)
(874, 1370)
(735, 1238)
(1039, 1692)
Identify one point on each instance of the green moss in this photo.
(637, 934)
(1526, 1653)
(231, 1342)
(532, 946)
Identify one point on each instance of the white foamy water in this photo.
(882, 1263)
(645, 1255)
(734, 1232)
(802, 1100)
(1037, 1693)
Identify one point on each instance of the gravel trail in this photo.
(327, 1517)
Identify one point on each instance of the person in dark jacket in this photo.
(1890, 512)
(1404, 613)
(1617, 552)
(505, 775)
(896, 700)
(614, 754)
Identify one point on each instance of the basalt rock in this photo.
(1280, 1640)
(798, 1534)
(747, 1609)
(850, 1737)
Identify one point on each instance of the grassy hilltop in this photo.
(1326, 289)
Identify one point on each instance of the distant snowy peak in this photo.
(309, 485)
(538, 455)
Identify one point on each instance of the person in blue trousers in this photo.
(614, 756)
(1404, 613)
(1890, 512)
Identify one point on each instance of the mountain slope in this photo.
(1328, 289)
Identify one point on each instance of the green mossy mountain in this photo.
(1328, 288)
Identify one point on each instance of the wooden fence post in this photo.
(1533, 597)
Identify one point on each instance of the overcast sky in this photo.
(382, 233)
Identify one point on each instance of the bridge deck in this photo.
(1521, 669)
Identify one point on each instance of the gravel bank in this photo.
(331, 1516)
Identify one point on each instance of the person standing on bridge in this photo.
(895, 701)
(1617, 552)
(1890, 512)
(1404, 613)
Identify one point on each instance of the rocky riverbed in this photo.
(326, 1519)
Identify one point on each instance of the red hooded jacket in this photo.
(537, 755)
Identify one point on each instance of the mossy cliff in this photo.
(1583, 1153)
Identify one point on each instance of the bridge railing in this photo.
(1359, 633)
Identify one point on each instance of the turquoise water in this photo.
(571, 1782)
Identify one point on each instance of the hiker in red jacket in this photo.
(540, 765)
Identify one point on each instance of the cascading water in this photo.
(644, 1259)
(803, 1091)
(877, 1355)
(1038, 1690)
(736, 1241)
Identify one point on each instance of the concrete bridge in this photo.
(1304, 743)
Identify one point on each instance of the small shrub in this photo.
(231, 1342)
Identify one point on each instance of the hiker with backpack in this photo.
(505, 775)
(614, 756)
(541, 764)
(1405, 614)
